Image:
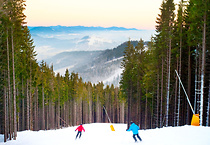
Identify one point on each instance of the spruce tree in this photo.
(127, 76)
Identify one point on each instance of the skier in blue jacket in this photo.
(135, 129)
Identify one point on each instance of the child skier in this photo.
(135, 130)
(80, 129)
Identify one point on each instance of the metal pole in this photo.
(185, 92)
(107, 114)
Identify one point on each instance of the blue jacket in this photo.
(134, 128)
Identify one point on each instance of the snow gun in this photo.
(111, 126)
(195, 118)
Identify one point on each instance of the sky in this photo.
(140, 14)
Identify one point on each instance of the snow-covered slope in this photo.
(101, 134)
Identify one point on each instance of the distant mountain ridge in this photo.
(68, 29)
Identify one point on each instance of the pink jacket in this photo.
(80, 128)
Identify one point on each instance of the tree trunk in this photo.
(180, 66)
(179, 91)
(168, 83)
(90, 105)
(30, 99)
(5, 115)
(122, 112)
(151, 123)
(71, 112)
(14, 91)
(18, 111)
(158, 92)
(117, 106)
(139, 96)
(9, 89)
(27, 106)
(23, 114)
(189, 88)
(36, 110)
(203, 69)
(67, 114)
(161, 100)
(85, 111)
(43, 109)
(145, 121)
(208, 106)
(129, 109)
(176, 89)
(47, 115)
(196, 79)
(75, 113)
(58, 112)
(98, 114)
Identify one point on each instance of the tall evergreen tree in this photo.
(127, 76)
(164, 36)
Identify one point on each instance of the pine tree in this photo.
(196, 22)
(164, 35)
(127, 75)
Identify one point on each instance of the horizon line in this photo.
(86, 26)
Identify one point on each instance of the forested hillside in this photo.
(149, 83)
(106, 66)
(32, 97)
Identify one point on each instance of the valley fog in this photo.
(95, 53)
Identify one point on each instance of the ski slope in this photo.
(101, 134)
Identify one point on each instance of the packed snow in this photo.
(101, 134)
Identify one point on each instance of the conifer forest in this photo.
(33, 97)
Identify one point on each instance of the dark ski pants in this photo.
(134, 136)
(79, 133)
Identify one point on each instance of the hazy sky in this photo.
(139, 14)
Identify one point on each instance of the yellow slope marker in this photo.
(195, 120)
(112, 128)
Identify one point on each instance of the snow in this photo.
(116, 59)
(101, 134)
(63, 69)
(110, 79)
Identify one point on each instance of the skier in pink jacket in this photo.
(80, 129)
